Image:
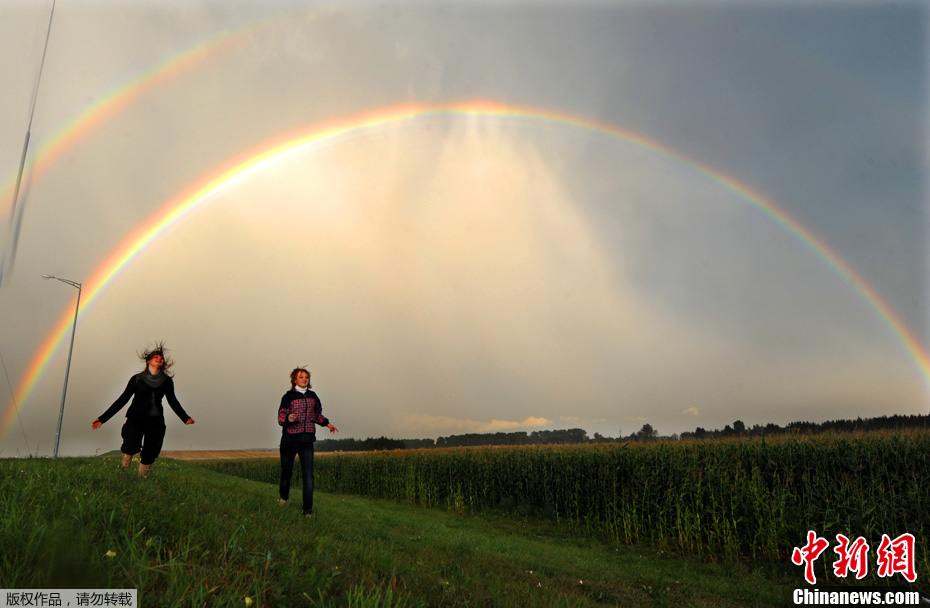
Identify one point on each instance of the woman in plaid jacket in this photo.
(299, 413)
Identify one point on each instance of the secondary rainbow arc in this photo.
(108, 106)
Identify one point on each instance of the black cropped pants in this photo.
(146, 433)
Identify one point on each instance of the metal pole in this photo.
(64, 391)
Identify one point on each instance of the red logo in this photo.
(808, 554)
(894, 556)
(853, 557)
(897, 557)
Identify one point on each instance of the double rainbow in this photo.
(275, 150)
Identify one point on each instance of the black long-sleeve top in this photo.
(146, 400)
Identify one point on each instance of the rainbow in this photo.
(240, 167)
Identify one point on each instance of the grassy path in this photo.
(191, 537)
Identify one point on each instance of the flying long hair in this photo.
(158, 349)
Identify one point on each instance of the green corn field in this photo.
(723, 499)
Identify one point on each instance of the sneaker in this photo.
(282, 502)
(309, 515)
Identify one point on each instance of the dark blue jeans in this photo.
(291, 447)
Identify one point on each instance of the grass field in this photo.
(187, 536)
(745, 499)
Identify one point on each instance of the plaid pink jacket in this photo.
(309, 412)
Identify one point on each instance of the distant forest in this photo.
(646, 433)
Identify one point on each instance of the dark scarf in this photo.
(154, 381)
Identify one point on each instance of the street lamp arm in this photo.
(67, 281)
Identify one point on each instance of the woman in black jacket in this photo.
(145, 419)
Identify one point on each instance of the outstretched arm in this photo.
(117, 405)
(321, 419)
(175, 404)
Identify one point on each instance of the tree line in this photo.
(646, 433)
(879, 423)
(468, 439)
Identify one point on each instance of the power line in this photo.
(13, 401)
(16, 212)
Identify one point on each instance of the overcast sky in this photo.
(466, 273)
